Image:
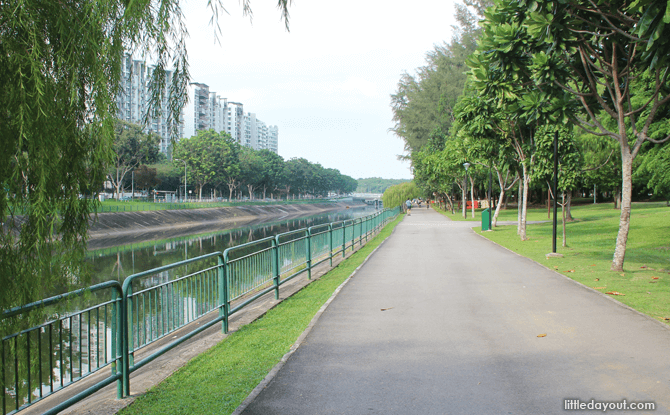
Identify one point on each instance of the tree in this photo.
(131, 147)
(146, 178)
(601, 53)
(273, 167)
(396, 195)
(60, 66)
(228, 164)
(199, 154)
(568, 166)
(251, 169)
(376, 184)
(654, 172)
(423, 103)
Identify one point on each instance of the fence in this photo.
(113, 321)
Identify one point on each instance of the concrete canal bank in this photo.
(112, 229)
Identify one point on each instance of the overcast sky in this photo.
(327, 83)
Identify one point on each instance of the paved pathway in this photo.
(442, 321)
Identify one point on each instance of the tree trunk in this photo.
(624, 221)
(518, 208)
(563, 205)
(548, 203)
(568, 208)
(494, 221)
(472, 198)
(524, 209)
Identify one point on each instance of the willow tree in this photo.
(60, 66)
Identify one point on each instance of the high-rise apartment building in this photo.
(133, 101)
(205, 110)
(273, 139)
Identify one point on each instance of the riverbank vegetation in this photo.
(213, 166)
(232, 369)
(377, 184)
(398, 194)
(59, 87)
(520, 75)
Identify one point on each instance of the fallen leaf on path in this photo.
(542, 335)
(592, 265)
(666, 318)
(555, 267)
(599, 288)
(623, 275)
(384, 309)
(643, 266)
(597, 279)
(614, 293)
(570, 270)
(654, 278)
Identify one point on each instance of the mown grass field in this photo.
(112, 205)
(645, 282)
(217, 381)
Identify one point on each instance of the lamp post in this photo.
(185, 194)
(465, 191)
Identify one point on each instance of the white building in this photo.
(273, 139)
(133, 101)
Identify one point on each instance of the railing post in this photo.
(126, 338)
(223, 292)
(117, 341)
(344, 238)
(309, 253)
(360, 233)
(330, 244)
(275, 266)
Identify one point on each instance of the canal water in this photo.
(117, 263)
(37, 362)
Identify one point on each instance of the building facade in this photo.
(134, 99)
(204, 110)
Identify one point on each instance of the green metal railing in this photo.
(151, 305)
(62, 350)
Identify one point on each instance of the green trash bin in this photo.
(486, 218)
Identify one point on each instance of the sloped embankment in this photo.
(111, 229)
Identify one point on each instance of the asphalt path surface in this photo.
(441, 321)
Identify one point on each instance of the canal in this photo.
(65, 350)
(119, 262)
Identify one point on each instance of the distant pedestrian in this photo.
(408, 203)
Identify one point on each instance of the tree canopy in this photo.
(60, 66)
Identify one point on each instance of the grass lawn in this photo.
(645, 282)
(217, 381)
(111, 205)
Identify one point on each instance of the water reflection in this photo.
(123, 261)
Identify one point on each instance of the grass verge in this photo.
(111, 205)
(645, 283)
(217, 381)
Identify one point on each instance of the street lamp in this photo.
(465, 190)
(185, 194)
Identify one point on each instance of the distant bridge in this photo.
(369, 198)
